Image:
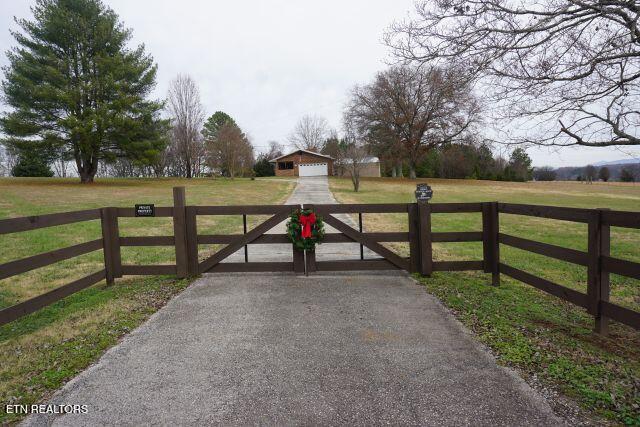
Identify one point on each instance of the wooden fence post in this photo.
(299, 261)
(180, 231)
(594, 276)
(414, 238)
(360, 230)
(111, 244)
(602, 322)
(490, 241)
(308, 257)
(191, 230)
(424, 233)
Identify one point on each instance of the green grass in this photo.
(536, 333)
(41, 351)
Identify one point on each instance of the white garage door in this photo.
(312, 169)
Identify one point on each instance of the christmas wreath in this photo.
(305, 229)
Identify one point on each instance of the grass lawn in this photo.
(546, 339)
(45, 349)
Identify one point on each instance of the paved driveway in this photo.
(354, 349)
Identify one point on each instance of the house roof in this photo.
(303, 151)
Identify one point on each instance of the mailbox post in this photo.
(424, 193)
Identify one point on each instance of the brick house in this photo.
(303, 163)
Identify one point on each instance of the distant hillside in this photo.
(571, 173)
(618, 162)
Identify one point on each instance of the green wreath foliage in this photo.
(294, 230)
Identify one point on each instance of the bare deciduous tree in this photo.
(567, 69)
(590, 173)
(187, 116)
(230, 152)
(352, 151)
(310, 133)
(424, 107)
(275, 150)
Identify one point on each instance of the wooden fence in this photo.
(185, 240)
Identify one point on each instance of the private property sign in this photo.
(424, 193)
(145, 210)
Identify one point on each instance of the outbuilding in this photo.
(369, 167)
(303, 163)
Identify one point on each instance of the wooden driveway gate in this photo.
(419, 238)
(236, 242)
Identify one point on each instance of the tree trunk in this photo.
(412, 170)
(355, 179)
(400, 173)
(393, 172)
(85, 178)
(87, 169)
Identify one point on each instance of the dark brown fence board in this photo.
(252, 267)
(41, 260)
(15, 225)
(456, 236)
(191, 225)
(361, 229)
(361, 208)
(225, 239)
(546, 249)
(551, 212)
(26, 307)
(147, 241)
(310, 263)
(160, 211)
(298, 260)
(621, 219)
(152, 270)
(593, 265)
(414, 239)
(621, 267)
(457, 265)
(180, 231)
(106, 223)
(621, 314)
(494, 259)
(243, 209)
(602, 321)
(283, 238)
(487, 238)
(426, 239)
(356, 265)
(116, 252)
(559, 291)
(455, 207)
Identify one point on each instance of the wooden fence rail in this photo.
(185, 239)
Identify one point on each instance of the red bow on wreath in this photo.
(307, 221)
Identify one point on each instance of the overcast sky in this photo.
(267, 63)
